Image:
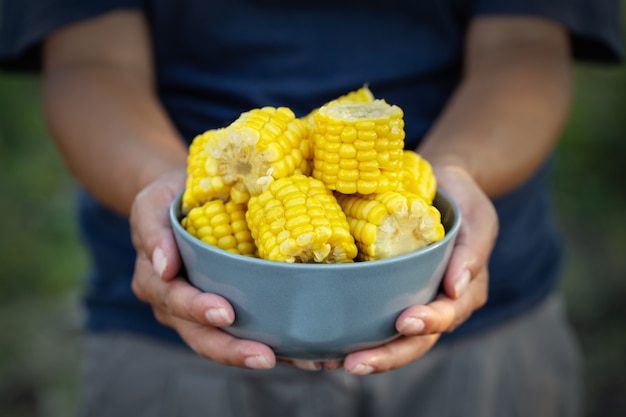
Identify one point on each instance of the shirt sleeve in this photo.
(24, 24)
(594, 25)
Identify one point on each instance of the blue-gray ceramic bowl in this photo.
(318, 311)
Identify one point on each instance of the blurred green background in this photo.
(43, 262)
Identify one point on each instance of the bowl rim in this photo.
(450, 234)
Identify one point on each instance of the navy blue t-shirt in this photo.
(217, 59)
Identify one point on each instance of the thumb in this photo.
(151, 228)
(477, 235)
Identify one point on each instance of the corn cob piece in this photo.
(391, 223)
(297, 219)
(237, 161)
(362, 95)
(417, 176)
(358, 146)
(222, 225)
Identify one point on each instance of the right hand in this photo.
(195, 315)
(465, 282)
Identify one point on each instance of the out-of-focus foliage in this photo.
(42, 262)
(39, 250)
(590, 192)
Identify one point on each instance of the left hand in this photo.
(198, 317)
(464, 284)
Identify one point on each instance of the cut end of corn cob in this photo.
(391, 223)
(362, 95)
(417, 176)
(358, 146)
(237, 161)
(222, 225)
(296, 219)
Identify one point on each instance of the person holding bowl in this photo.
(485, 87)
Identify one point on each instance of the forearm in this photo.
(506, 116)
(111, 132)
(102, 109)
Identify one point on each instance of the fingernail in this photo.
(159, 261)
(412, 325)
(218, 316)
(257, 362)
(461, 283)
(308, 365)
(331, 365)
(361, 369)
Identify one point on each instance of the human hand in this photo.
(464, 283)
(195, 315)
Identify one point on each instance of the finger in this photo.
(312, 365)
(179, 298)
(216, 345)
(477, 235)
(154, 237)
(462, 266)
(444, 314)
(307, 365)
(192, 314)
(332, 365)
(151, 228)
(471, 254)
(393, 355)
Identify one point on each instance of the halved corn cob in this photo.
(417, 176)
(297, 219)
(391, 223)
(235, 162)
(221, 224)
(358, 146)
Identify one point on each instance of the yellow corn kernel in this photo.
(369, 133)
(417, 176)
(221, 224)
(237, 161)
(297, 219)
(391, 223)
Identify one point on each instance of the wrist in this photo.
(450, 169)
(170, 168)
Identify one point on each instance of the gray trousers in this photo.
(527, 367)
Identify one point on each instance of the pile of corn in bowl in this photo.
(319, 230)
(334, 186)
